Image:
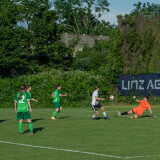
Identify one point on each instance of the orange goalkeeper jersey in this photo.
(143, 106)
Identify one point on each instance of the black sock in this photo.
(124, 113)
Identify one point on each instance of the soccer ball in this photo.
(111, 97)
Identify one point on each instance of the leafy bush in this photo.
(78, 85)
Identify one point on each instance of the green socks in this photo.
(30, 127)
(55, 113)
(20, 127)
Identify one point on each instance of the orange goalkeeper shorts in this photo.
(138, 111)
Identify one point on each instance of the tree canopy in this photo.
(82, 16)
(30, 36)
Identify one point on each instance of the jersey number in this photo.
(22, 99)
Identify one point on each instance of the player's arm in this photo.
(29, 104)
(34, 100)
(15, 106)
(150, 111)
(134, 97)
(101, 99)
(63, 95)
(137, 100)
(15, 103)
(52, 95)
(149, 108)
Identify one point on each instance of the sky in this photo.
(122, 7)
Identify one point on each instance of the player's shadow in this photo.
(99, 118)
(35, 130)
(146, 116)
(63, 117)
(34, 120)
(3, 120)
(38, 119)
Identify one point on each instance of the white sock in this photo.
(93, 116)
(104, 113)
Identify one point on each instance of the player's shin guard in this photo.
(20, 127)
(31, 127)
(124, 113)
(55, 113)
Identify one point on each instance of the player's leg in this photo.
(20, 126)
(60, 109)
(125, 113)
(20, 118)
(95, 114)
(30, 125)
(57, 108)
(55, 114)
(103, 111)
(27, 116)
(136, 116)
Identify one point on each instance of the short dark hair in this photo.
(147, 97)
(58, 85)
(96, 87)
(28, 86)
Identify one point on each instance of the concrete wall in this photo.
(83, 39)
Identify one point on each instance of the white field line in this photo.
(149, 156)
(74, 151)
(59, 149)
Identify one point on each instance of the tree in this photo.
(77, 15)
(13, 39)
(140, 30)
(30, 36)
(146, 9)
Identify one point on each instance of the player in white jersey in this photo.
(95, 104)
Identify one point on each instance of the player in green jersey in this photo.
(56, 101)
(23, 108)
(28, 89)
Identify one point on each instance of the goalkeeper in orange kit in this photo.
(144, 104)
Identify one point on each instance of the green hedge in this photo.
(78, 85)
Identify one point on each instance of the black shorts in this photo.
(95, 107)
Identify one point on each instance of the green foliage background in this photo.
(78, 85)
(30, 44)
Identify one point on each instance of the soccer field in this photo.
(75, 136)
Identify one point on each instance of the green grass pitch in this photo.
(75, 136)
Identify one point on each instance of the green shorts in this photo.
(23, 115)
(57, 104)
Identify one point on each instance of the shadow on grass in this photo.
(146, 116)
(99, 118)
(3, 120)
(38, 119)
(33, 120)
(35, 130)
(63, 117)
